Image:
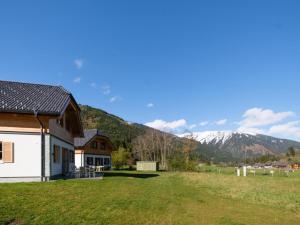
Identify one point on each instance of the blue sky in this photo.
(186, 65)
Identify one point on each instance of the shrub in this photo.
(120, 158)
(178, 163)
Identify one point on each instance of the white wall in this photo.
(56, 168)
(27, 156)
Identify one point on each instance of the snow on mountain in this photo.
(237, 143)
(212, 137)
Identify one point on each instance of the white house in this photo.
(93, 150)
(38, 124)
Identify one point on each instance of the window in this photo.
(98, 162)
(90, 161)
(56, 154)
(106, 161)
(94, 145)
(60, 122)
(1, 153)
(72, 156)
(102, 146)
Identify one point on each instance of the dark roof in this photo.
(16, 97)
(88, 135)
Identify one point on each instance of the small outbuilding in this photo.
(146, 166)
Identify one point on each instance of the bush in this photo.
(178, 163)
(120, 158)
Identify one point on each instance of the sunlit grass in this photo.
(155, 198)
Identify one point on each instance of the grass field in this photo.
(155, 198)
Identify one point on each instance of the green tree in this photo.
(120, 158)
(291, 152)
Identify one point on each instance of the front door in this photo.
(65, 161)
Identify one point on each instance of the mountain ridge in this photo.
(238, 144)
(223, 146)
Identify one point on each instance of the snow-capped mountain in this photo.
(236, 145)
(210, 137)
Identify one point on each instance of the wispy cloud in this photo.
(77, 80)
(221, 122)
(203, 123)
(167, 126)
(114, 99)
(150, 105)
(105, 89)
(193, 126)
(93, 85)
(78, 63)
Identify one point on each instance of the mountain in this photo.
(221, 146)
(121, 132)
(237, 145)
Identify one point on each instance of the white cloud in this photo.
(114, 99)
(221, 122)
(77, 80)
(203, 123)
(288, 130)
(166, 126)
(105, 89)
(78, 63)
(150, 105)
(257, 117)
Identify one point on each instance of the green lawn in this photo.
(158, 198)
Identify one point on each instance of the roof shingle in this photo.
(88, 135)
(19, 97)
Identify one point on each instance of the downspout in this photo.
(42, 146)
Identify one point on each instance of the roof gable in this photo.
(88, 135)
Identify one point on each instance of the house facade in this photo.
(93, 150)
(38, 124)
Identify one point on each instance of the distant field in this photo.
(155, 198)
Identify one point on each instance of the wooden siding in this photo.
(60, 132)
(13, 122)
(87, 149)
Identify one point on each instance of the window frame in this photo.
(106, 160)
(58, 158)
(98, 159)
(72, 156)
(92, 160)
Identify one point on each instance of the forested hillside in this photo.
(121, 132)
